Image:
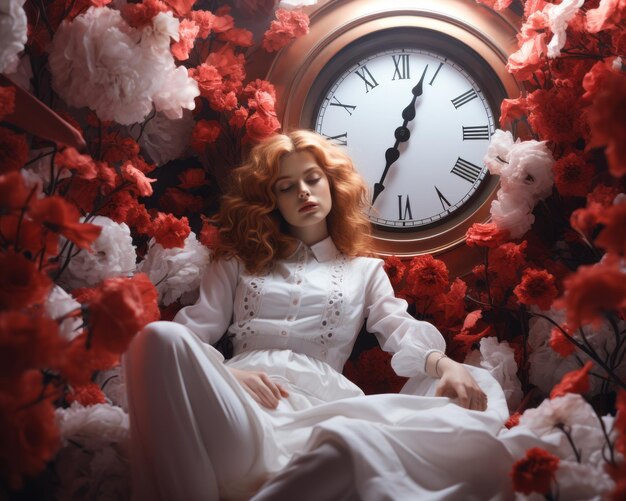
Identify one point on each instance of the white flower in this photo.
(558, 18)
(176, 272)
(576, 416)
(163, 28)
(93, 426)
(529, 170)
(499, 360)
(112, 384)
(22, 74)
(112, 254)
(583, 482)
(99, 61)
(512, 212)
(498, 150)
(60, 303)
(164, 139)
(295, 4)
(13, 34)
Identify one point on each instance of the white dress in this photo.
(298, 323)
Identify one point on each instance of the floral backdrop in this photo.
(101, 236)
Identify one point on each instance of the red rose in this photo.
(573, 382)
(21, 282)
(536, 288)
(427, 276)
(139, 15)
(486, 235)
(535, 472)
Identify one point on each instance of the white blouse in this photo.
(313, 303)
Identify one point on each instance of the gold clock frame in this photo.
(338, 25)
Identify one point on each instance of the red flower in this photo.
(513, 420)
(80, 362)
(512, 110)
(181, 7)
(208, 78)
(141, 183)
(88, 394)
(603, 195)
(13, 151)
(169, 231)
(585, 220)
(537, 287)
(28, 236)
(187, 31)
(192, 178)
(223, 21)
(179, 202)
(559, 343)
(427, 276)
(205, 132)
(529, 58)
(257, 85)
(573, 382)
(237, 36)
(13, 192)
(21, 283)
(61, 217)
(592, 291)
(287, 26)
(261, 125)
(120, 309)
(555, 114)
(230, 65)
(7, 101)
(29, 437)
(116, 148)
(204, 20)
(535, 472)
(486, 235)
(239, 118)
(28, 342)
(82, 165)
(613, 237)
(496, 4)
(573, 175)
(139, 15)
(505, 262)
(209, 235)
(448, 309)
(395, 270)
(607, 15)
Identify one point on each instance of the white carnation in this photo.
(583, 482)
(99, 61)
(13, 33)
(559, 17)
(60, 303)
(499, 360)
(93, 426)
(498, 150)
(176, 272)
(528, 170)
(111, 254)
(22, 74)
(512, 212)
(164, 139)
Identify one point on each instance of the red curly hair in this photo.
(250, 225)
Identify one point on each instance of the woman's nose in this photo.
(303, 191)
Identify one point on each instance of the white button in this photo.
(295, 301)
(284, 333)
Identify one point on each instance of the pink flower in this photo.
(606, 16)
(287, 26)
(187, 32)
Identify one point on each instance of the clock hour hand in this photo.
(391, 155)
(408, 113)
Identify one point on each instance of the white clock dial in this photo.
(440, 166)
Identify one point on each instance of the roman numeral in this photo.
(346, 107)
(442, 199)
(435, 75)
(401, 63)
(466, 170)
(404, 210)
(340, 139)
(370, 81)
(464, 98)
(476, 132)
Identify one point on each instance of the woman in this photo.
(290, 284)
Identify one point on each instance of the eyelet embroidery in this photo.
(333, 308)
(251, 302)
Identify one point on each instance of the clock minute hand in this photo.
(391, 155)
(408, 113)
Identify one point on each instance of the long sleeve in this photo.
(211, 315)
(410, 340)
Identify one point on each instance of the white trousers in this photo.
(191, 433)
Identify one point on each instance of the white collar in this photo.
(322, 251)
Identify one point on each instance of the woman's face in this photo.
(303, 196)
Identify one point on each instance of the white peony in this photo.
(176, 272)
(13, 33)
(60, 303)
(498, 150)
(528, 170)
(99, 61)
(112, 254)
(499, 360)
(559, 17)
(513, 212)
(164, 139)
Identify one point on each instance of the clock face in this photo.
(421, 168)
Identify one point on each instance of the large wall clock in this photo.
(411, 89)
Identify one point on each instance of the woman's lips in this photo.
(307, 207)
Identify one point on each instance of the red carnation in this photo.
(613, 237)
(513, 420)
(561, 344)
(169, 231)
(21, 282)
(573, 175)
(555, 114)
(536, 288)
(260, 125)
(486, 235)
(88, 394)
(576, 381)
(209, 235)
(187, 33)
(204, 19)
(427, 276)
(81, 362)
(192, 178)
(83, 165)
(13, 192)
(179, 202)
(395, 270)
(287, 26)
(7, 101)
(535, 472)
(13, 151)
(205, 132)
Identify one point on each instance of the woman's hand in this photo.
(260, 387)
(457, 382)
